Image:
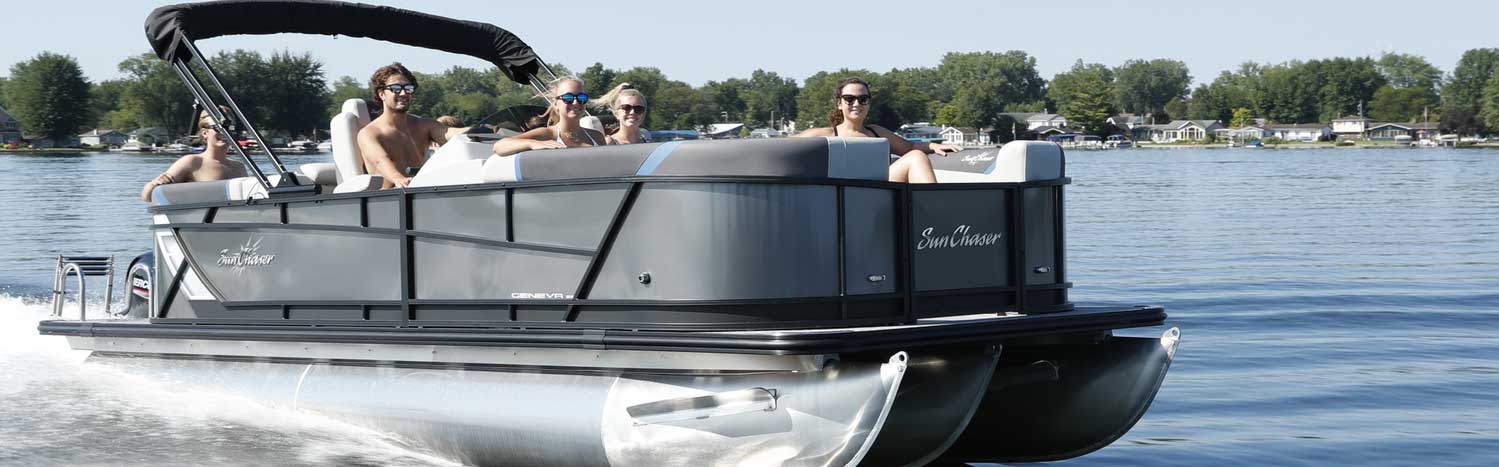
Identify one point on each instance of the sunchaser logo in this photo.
(975, 159)
(248, 256)
(962, 236)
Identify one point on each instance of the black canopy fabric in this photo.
(197, 21)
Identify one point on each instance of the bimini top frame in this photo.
(172, 29)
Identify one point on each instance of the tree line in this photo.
(288, 93)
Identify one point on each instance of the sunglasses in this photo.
(850, 98)
(569, 98)
(629, 109)
(399, 88)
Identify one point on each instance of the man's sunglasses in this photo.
(629, 109)
(399, 88)
(850, 98)
(569, 98)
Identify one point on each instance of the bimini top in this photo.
(169, 25)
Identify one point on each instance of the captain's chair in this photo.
(349, 163)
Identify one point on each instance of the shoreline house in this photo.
(10, 128)
(1183, 130)
(921, 132)
(1350, 127)
(1301, 132)
(41, 142)
(150, 136)
(103, 137)
(1243, 134)
(966, 136)
(1131, 125)
(1389, 131)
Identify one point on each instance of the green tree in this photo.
(767, 95)
(1409, 71)
(1348, 84)
(1145, 87)
(1242, 117)
(678, 107)
(1490, 105)
(294, 104)
(598, 78)
(969, 109)
(344, 89)
(1407, 104)
(1231, 90)
(3, 80)
(1085, 95)
(1461, 96)
(153, 96)
(917, 94)
(104, 100)
(49, 95)
(727, 96)
(1287, 93)
(990, 81)
(246, 78)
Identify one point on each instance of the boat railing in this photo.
(82, 267)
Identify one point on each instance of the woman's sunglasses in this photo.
(850, 98)
(629, 109)
(569, 98)
(399, 88)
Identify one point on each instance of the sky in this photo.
(698, 41)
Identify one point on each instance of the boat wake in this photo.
(60, 410)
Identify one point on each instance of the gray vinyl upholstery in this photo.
(859, 158)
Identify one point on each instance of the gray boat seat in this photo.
(834, 157)
(1016, 161)
(234, 189)
(344, 130)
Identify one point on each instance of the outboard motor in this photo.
(138, 286)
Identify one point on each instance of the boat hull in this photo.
(1028, 400)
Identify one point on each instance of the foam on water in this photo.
(60, 410)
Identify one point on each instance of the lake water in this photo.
(1338, 307)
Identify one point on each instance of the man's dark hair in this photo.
(385, 72)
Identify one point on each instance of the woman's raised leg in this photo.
(913, 167)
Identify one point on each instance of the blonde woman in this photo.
(563, 128)
(628, 106)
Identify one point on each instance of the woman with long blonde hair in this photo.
(628, 106)
(564, 128)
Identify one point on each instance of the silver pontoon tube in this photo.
(826, 417)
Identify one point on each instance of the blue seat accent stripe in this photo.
(228, 194)
(659, 155)
(517, 167)
(992, 165)
(156, 196)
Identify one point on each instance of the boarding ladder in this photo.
(81, 267)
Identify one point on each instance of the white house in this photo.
(1304, 132)
(1039, 120)
(1351, 126)
(150, 136)
(965, 136)
(1244, 133)
(104, 137)
(1183, 130)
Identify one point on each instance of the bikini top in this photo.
(866, 127)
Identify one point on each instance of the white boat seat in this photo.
(344, 130)
(1017, 161)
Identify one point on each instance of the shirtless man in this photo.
(211, 164)
(396, 142)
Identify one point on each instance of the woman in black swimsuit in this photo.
(851, 101)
